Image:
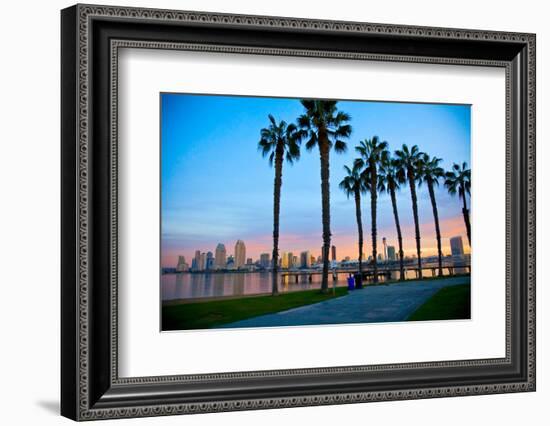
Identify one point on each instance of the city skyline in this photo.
(289, 259)
(216, 188)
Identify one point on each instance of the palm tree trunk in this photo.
(373, 199)
(437, 231)
(359, 283)
(399, 236)
(325, 206)
(276, 211)
(466, 214)
(410, 178)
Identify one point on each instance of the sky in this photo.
(217, 188)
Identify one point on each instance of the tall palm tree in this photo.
(373, 152)
(354, 185)
(391, 176)
(409, 160)
(459, 180)
(279, 141)
(324, 126)
(431, 172)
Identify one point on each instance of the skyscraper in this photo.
(305, 259)
(391, 253)
(265, 260)
(333, 248)
(385, 244)
(457, 248)
(240, 254)
(202, 262)
(197, 260)
(182, 265)
(209, 261)
(284, 260)
(220, 259)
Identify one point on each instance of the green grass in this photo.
(448, 303)
(210, 314)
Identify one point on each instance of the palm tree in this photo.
(459, 180)
(373, 152)
(354, 185)
(431, 172)
(280, 141)
(322, 125)
(409, 161)
(390, 177)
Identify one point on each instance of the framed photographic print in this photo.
(263, 212)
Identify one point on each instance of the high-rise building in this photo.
(333, 249)
(182, 265)
(305, 259)
(221, 257)
(240, 254)
(457, 248)
(379, 257)
(391, 253)
(284, 260)
(249, 261)
(265, 260)
(295, 263)
(385, 245)
(209, 261)
(197, 260)
(230, 262)
(202, 262)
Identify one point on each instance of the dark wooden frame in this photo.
(90, 386)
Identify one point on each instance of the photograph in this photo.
(281, 212)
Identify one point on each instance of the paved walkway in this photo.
(382, 303)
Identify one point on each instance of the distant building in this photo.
(333, 252)
(265, 260)
(193, 264)
(202, 262)
(379, 257)
(284, 260)
(457, 248)
(385, 245)
(391, 253)
(230, 262)
(240, 253)
(220, 260)
(290, 262)
(197, 260)
(182, 265)
(249, 261)
(209, 261)
(305, 259)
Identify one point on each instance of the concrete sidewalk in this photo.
(381, 303)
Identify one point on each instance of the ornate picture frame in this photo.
(90, 39)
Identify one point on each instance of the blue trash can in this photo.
(351, 282)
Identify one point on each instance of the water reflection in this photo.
(206, 285)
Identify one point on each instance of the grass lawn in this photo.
(448, 303)
(210, 314)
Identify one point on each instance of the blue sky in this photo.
(216, 187)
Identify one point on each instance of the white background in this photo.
(146, 352)
(29, 217)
